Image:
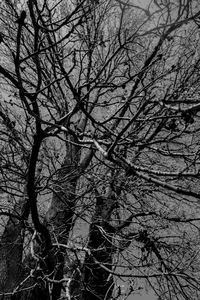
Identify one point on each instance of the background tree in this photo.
(99, 156)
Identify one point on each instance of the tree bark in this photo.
(97, 281)
(59, 218)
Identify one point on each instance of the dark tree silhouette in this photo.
(99, 149)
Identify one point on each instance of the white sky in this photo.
(143, 296)
(142, 3)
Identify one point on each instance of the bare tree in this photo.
(99, 158)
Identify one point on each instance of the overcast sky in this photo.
(142, 3)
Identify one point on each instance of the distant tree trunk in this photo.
(59, 218)
(61, 211)
(97, 281)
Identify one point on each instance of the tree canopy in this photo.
(99, 149)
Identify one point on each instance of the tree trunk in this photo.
(59, 218)
(97, 280)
